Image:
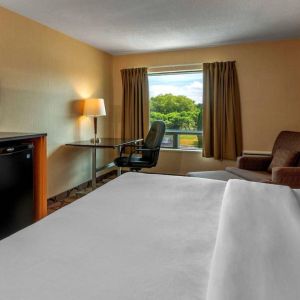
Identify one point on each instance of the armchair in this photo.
(282, 167)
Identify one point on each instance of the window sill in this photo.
(181, 150)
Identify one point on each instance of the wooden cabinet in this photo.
(39, 141)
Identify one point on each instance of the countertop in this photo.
(16, 136)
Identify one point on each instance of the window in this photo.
(176, 99)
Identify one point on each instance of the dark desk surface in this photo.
(16, 136)
(104, 143)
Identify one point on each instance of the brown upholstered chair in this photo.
(282, 167)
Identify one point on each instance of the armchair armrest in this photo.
(286, 176)
(254, 163)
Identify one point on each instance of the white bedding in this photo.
(257, 254)
(138, 237)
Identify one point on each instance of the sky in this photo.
(187, 84)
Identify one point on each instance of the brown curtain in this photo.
(135, 117)
(222, 130)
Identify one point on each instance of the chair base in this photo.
(119, 170)
(135, 169)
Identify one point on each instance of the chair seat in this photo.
(135, 161)
(258, 176)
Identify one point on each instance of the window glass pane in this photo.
(168, 141)
(190, 141)
(176, 98)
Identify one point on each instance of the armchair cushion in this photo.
(283, 158)
(259, 176)
(254, 163)
(287, 176)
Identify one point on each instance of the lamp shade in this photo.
(94, 107)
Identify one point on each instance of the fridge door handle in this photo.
(9, 150)
(11, 153)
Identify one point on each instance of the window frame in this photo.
(171, 71)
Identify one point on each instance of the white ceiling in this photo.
(130, 26)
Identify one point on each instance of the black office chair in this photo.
(149, 150)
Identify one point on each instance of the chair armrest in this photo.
(254, 163)
(286, 176)
(133, 145)
(141, 150)
(147, 150)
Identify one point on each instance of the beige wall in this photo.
(42, 74)
(269, 76)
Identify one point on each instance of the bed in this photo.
(144, 236)
(138, 237)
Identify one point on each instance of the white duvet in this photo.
(137, 237)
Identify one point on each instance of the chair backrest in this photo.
(153, 140)
(289, 140)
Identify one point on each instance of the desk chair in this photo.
(148, 150)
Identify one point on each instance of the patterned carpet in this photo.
(73, 195)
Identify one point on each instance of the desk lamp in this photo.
(94, 108)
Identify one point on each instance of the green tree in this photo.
(178, 112)
(169, 103)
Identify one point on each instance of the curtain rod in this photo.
(174, 66)
(168, 66)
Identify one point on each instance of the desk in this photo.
(104, 143)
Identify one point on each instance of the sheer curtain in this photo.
(222, 130)
(135, 117)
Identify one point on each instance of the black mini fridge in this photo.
(16, 188)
